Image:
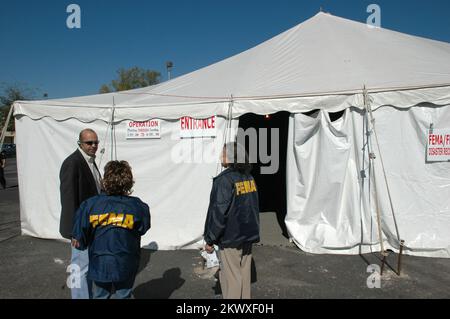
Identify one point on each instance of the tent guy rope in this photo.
(379, 221)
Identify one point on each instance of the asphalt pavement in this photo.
(36, 268)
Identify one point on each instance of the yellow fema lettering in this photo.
(245, 187)
(103, 219)
(112, 219)
(93, 220)
(115, 219)
(128, 222)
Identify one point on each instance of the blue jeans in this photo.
(81, 259)
(116, 290)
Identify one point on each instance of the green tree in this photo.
(9, 94)
(131, 79)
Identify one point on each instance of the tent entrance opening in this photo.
(271, 157)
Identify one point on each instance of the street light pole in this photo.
(169, 66)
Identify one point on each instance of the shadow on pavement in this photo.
(161, 288)
(145, 256)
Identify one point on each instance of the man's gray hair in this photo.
(235, 153)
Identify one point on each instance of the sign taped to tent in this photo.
(438, 145)
(190, 127)
(145, 129)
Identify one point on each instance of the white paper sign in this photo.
(438, 145)
(190, 127)
(146, 129)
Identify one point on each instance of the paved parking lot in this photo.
(36, 268)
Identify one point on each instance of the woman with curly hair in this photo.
(110, 225)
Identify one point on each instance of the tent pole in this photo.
(372, 156)
(230, 115)
(5, 127)
(228, 125)
(113, 142)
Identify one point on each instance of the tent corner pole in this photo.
(372, 156)
(113, 140)
(5, 127)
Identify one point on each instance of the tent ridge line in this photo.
(408, 88)
(346, 92)
(243, 98)
(294, 95)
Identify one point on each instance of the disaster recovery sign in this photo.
(438, 146)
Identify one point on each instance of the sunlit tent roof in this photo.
(334, 178)
(324, 59)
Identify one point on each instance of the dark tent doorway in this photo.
(271, 187)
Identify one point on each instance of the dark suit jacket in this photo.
(76, 185)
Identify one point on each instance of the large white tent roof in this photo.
(334, 190)
(324, 62)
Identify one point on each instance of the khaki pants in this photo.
(235, 272)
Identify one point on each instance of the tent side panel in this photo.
(419, 189)
(331, 195)
(42, 145)
(172, 175)
(325, 206)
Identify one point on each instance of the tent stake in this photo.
(399, 265)
(383, 261)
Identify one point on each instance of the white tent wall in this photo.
(324, 212)
(42, 145)
(323, 63)
(419, 189)
(332, 209)
(172, 175)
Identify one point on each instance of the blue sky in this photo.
(38, 51)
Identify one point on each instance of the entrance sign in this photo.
(190, 127)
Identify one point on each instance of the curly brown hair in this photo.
(118, 178)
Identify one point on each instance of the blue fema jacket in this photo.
(233, 213)
(111, 227)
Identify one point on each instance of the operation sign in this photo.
(145, 129)
(438, 145)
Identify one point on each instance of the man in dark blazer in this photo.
(79, 180)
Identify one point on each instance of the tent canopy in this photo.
(324, 62)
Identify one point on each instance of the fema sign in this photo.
(438, 145)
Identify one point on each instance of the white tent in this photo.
(334, 192)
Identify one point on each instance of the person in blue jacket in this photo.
(232, 222)
(111, 225)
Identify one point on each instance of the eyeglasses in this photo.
(90, 143)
